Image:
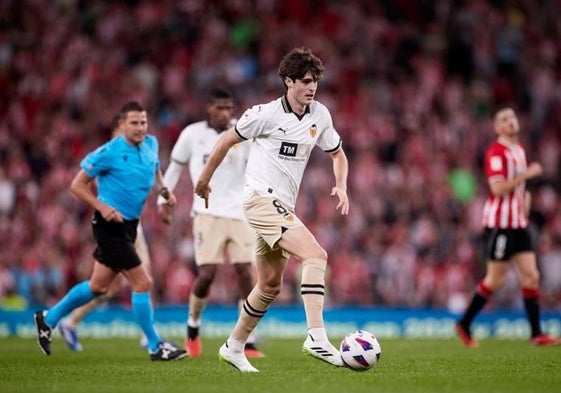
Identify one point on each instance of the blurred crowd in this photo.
(411, 86)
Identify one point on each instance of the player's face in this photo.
(135, 127)
(302, 91)
(506, 123)
(220, 113)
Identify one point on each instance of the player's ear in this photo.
(288, 81)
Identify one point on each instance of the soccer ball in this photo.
(360, 350)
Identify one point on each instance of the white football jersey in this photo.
(194, 145)
(282, 142)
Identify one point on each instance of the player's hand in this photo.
(343, 199)
(202, 189)
(165, 213)
(534, 169)
(111, 214)
(171, 199)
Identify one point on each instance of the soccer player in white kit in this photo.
(221, 227)
(283, 133)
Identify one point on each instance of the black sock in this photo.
(533, 312)
(477, 303)
(192, 332)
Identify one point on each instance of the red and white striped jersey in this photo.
(504, 161)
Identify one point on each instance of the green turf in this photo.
(118, 365)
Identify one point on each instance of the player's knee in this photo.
(531, 279)
(243, 269)
(206, 277)
(272, 288)
(536, 278)
(149, 283)
(142, 285)
(273, 291)
(316, 253)
(494, 280)
(98, 289)
(320, 254)
(106, 296)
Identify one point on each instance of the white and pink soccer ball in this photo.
(360, 350)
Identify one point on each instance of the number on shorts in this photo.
(500, 247)
(282, 210)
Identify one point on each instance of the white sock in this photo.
(69, 322)
(318, 333)
(251, 339)
(235, 345)
(193, 323)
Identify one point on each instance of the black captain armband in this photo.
(164, 192)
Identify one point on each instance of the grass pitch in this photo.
(407, 365)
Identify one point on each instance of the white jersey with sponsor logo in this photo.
(194, 145)
(282, 142)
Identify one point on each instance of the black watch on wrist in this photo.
(164, 192)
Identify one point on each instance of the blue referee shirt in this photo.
(125, 174)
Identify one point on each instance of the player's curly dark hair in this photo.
(298, 62)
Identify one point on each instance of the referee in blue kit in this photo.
(126, 169)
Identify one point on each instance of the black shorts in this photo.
(501, 244)
(115, 243)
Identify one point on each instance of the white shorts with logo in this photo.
(270, 218)
(216, 235)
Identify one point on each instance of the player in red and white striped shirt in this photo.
(506, 237)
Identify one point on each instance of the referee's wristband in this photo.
(164, 192)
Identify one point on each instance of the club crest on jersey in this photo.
(313, 131)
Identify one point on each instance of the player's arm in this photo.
(500, 187)
(341, 171)
(180, 156)
(226, 141)
(164, 192)
(527, 202)
(81, 187)
(171, 177)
